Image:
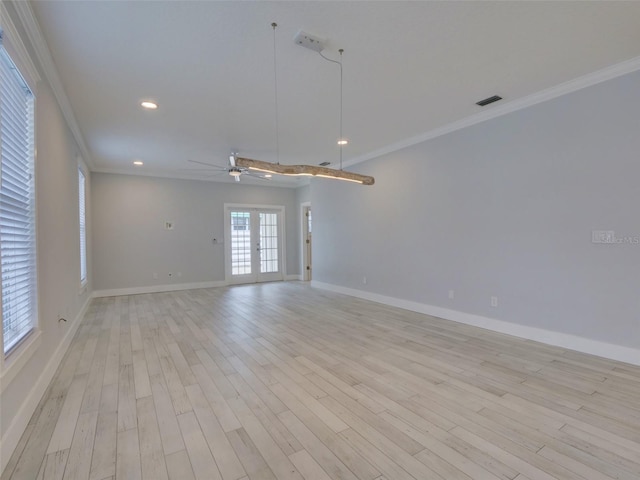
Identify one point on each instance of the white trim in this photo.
(117, 292)
(19, 55)
(564, 340)
(303, 245)
(20, 421)
(31, 26)
(15, 46)
(593, 78)
(292, 277)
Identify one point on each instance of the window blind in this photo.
(83, 229)
(17, 212)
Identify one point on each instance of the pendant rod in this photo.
(341, 142)
(275, 86)
(341, 138)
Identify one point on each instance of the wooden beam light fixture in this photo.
(303, 171)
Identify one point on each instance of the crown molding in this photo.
(593, 78)
(12, 37)
(45, 59)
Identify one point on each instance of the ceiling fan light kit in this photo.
(232, 169)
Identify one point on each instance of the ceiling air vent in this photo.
(489, 100)
(324, 164)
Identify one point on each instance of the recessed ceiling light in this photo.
(149, 105)
(138, 163)
(343, 141)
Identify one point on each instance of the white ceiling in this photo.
(409, 67)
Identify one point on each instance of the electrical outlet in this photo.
(494, 301)
(364, 280)
(451, 294)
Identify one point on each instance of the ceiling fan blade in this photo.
(196, 170)
(254, 175)
(232, 160)
(207, 164)
(237, 178)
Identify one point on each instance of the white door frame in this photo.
(304, 275)
(227, 236)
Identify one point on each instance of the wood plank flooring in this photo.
(283, 381)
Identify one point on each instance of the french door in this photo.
(254, 243)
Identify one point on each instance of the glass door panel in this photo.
(241, 243)
(269, 243)
(254, 251)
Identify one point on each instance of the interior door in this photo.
(254, 245)
(306, 219)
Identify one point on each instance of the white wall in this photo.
(303, 194)
(58, 257)
(131, 243)
(503, 208)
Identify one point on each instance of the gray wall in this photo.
(58, 257)
(504, 208)
(303, 194)
(131, 244)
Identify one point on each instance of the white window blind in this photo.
(83, 229)
(17, 199)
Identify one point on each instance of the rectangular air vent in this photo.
(324, 164)
(489, 100)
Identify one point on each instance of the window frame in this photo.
(17, 177)
(12, 363)
(82, 227)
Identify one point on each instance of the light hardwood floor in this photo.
(282, 381)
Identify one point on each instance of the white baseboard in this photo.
(564, 340)
(116, 292)
(19, 424)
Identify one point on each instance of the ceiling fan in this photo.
(232, 169)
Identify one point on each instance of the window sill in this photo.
(18, 359)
